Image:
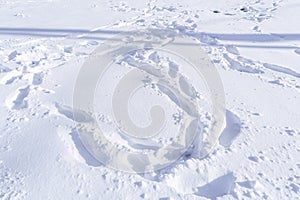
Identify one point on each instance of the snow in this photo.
(255, 47)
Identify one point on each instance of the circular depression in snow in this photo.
(152, 95)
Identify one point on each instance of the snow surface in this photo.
(255, 45)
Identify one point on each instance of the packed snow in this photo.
(255, 48)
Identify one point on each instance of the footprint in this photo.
(11, 80)
(13, 55)
(254, 159)
(256, 28)
(232, 49)
(76, 115)
(281, 69)
(68, 50)
(247, 184)
(277, 82)
(219, 187)
(233, 64)
(232, 129)
(4, 69)
(20, 102)
(37, 78)
(10, 77)
(74, 146)
(295, 188)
